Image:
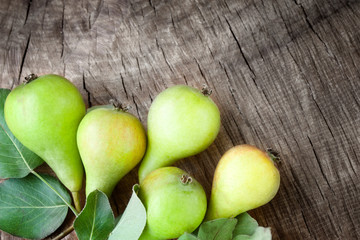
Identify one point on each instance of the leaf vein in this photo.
(33, 207)
(16, 148)
(93, 224)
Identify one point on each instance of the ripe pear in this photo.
(182, 122)
(111, 143)
(175, 203)
(44, 115)
(245, 178)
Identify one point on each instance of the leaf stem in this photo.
(64, 233)
(76, 213)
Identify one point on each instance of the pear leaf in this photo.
(218, 229)
(187, 236)
(29, 208)
(132, 222)
(96, 220)
(16, 161)
(260, 233)
(246, 225)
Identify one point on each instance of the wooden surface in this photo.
(285, 75)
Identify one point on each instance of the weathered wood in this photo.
(285, 75)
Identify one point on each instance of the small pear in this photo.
(44, 115)
(111, 143)
(182, 122)
(245, 178)
(175, 203)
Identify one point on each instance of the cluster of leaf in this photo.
(243, 227)
(34, 205)
(96, 221)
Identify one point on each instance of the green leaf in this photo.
(187, 236)
(218, 229)
(96, 220)
(16, 161)
(260, 233)
(29, 208)
(133, 221)
(246, 225)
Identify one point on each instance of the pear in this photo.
(245, 178)
(111, 143)
(44, 114)
(182, 122)
(175, 203)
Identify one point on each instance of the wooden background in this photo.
(285, 75)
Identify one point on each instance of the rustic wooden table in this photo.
(285, 75)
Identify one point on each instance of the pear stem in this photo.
(76, 198)
(30, 78)
(185, 179)
(118, 106)
(274, 155)
(64, 233)
(206, 90)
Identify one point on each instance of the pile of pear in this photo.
(47, 115)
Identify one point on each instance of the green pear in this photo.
(175, 203)
(245, 178)
(182, 122)
(44, 115)
(111, 143)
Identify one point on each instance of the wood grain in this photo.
(285, 75)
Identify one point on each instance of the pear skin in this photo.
(111, 143)
(245, 178)
(44, 115)
(175, 203)
(182, 122)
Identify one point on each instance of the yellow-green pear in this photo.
(111, 143)
(44, 115)
(245, 178)
(182, 122)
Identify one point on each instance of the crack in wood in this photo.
(241, 51)
(167, 63)
(123, 85)
(27, 11)
(62, 31)
(87, 91)
(320, 165)
(186, 82)
(137, 108)
(201, 72)
(23, 57)
(151, 5)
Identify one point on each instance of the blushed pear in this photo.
(111, 143)
(245, 178)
